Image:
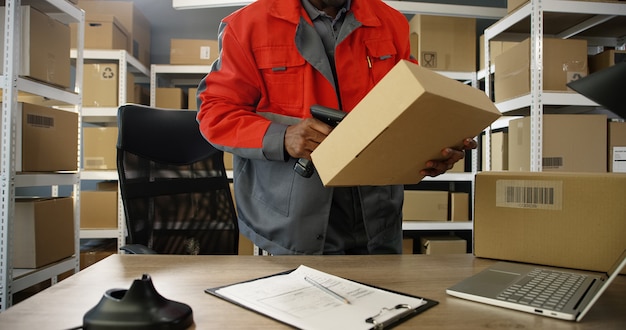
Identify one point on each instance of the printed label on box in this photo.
(205, 52)
(619, 159)
(429, 59)
(529, 194)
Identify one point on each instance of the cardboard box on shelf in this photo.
(572, 219)
(570, 143)
(45, 47)
(407, 245)
(43, 231)
(617, 147)
(606, 59)
(170, 98)
(499, 152)
(459, 206)
(130, 18)
(511, 5)
(192, 103)
(564, 60)
(103, 32)
(98, 209)
(374, 147)
(46, 139)
(438, 245)
(99, 148)
(445, 43)
(141, 94)
(101, 85)
(495, 48)
(246, 247)
(425, 205)
(193, 51)
(228, 160)
(459, 167)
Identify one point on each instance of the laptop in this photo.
(560, 293)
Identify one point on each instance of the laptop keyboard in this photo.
(544, 288)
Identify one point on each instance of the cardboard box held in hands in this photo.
(403, 122)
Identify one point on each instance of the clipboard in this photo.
(381, 317)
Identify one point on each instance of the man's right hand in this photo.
(302, 138)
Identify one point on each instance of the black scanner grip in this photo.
(331, 117)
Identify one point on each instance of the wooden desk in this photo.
(183, 278)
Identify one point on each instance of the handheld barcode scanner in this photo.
(331, 117)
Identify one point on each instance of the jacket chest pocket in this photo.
(381, 57)
(283, 70)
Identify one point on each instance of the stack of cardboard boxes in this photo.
(109, 25)
(46, 141)
(113, 25)
(571, 213)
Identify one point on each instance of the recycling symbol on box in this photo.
(108, 73)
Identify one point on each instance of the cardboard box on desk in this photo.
(617, 147)
(404, 121)
(573, 219)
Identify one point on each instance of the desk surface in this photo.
(184, 278)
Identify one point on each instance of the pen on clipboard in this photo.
(327, 290)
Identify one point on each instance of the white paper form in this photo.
(291, 299)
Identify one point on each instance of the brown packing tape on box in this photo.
(403, 122)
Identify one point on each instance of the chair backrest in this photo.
(173, 185)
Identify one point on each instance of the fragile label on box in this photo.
(529, 194)
(619, 159)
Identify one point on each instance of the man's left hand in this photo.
(450, 155)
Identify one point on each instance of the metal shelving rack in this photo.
(14, 280)
(174, 75)
(407, 7)
(127, 65)
(600, 23)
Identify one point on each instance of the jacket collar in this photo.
(292, 10)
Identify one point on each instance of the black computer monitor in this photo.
(606, 87)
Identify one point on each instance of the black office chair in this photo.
(173, 185)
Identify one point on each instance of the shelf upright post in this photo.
(78, 88)
(153, 85)
(536, 85)
(121, 75)
(12, 23)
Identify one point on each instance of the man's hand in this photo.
(302, 138)
(450, 157)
